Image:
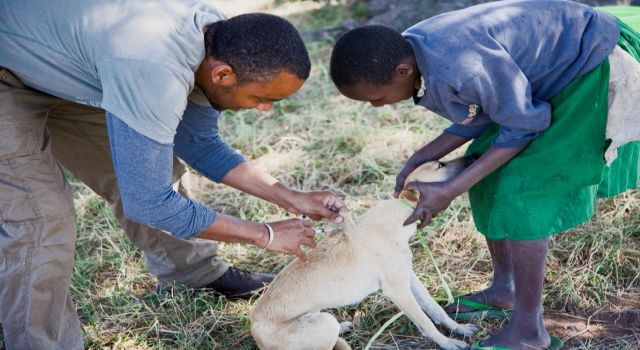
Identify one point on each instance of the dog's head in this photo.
(435, 171)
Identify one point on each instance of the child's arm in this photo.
(436, 196)
(436, 149)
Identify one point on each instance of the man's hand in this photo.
(434, 198)
(289, 235)
(317, 205)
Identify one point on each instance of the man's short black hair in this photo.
(258, 46)
(367, 54)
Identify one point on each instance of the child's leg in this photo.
(501, 291)
(525, 330)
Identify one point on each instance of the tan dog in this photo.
(343, 269)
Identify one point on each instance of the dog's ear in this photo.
(410, 195)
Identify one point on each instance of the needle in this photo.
(322, 230)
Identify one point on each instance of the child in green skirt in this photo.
(528, 81)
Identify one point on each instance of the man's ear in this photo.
(403, 70)
(223, 74)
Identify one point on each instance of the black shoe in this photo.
(239, 284)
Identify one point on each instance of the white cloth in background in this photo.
(623, 122)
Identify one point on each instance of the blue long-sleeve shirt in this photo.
(144, 170)
(501, 62)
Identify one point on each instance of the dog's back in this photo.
(343, 269)
(284, 315)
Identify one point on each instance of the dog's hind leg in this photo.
(312, 331)
(405, 301)
(437, 313)
(341, 344)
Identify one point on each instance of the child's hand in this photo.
(434, 198)
(411, 165)
(436, 149)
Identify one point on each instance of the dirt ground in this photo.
(615, 326)
(611, 327)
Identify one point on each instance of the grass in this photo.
(320, 140)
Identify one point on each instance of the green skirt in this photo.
(552, 185)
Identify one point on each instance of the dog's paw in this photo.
(454, 344)
(466, 329)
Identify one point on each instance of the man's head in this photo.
(374, 63)
(251, 61)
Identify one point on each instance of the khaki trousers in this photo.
(38, 133)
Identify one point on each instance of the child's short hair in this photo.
(367, 54)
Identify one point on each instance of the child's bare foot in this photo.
(498, 297)
(520, 336)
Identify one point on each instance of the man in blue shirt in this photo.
(162, 71)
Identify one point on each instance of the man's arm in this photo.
(199, 144)
(315, 204)
(289, 234)
(143, 169)
(144, 173)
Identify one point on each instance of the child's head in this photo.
(374, 63)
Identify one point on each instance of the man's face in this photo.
(259, 95)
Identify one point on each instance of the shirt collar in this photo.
(420, 87)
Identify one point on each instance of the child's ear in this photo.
(403, 70)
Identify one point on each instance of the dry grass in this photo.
(319, 140)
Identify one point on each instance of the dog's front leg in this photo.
(404, 300)
(437, 313)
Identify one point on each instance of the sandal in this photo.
(479, 310)
(556, 344)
